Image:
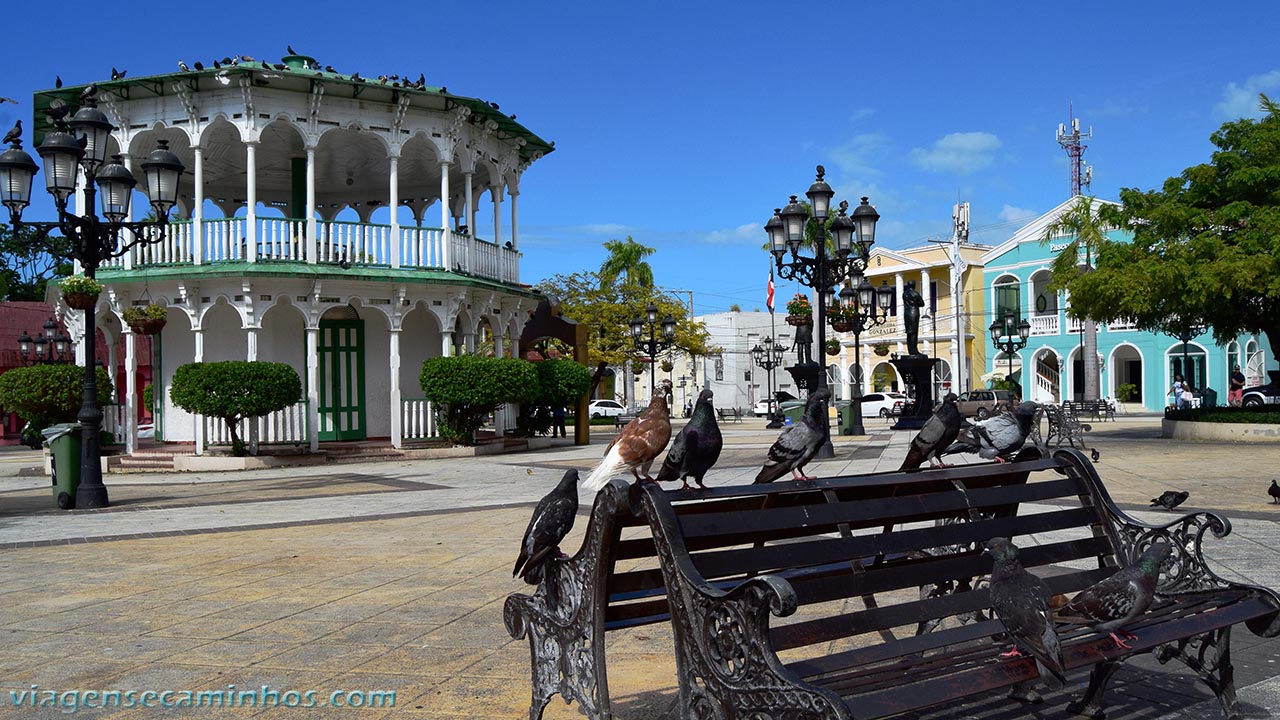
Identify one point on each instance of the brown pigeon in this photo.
(642, 440)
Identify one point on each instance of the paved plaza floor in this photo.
(367, 578)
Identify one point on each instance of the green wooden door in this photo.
(342, 380)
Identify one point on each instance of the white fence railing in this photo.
(1122, 325)
(1044, 324)
(417, 419)
(287, 426)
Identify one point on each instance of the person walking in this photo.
(1235, 391)
(1177, 391)
(557, 417)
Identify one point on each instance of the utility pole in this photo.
(959, 236)
(1081, 174)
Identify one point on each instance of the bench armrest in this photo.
(723, 652)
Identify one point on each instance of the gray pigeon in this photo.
(797, 445)
(15, 134)
(998, 437)
(1170, 499)
(1021, 601)
(1274, 492)
(552, 520)
(696, 447)
(1110, 604)
(938, 433)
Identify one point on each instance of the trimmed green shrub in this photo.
(47, 394)
(234, 390)
(466, 388)
(560, 383)
(1263, 415)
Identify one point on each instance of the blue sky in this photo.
(684, 125)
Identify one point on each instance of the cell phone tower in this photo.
(1081, 174)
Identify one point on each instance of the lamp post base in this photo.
(918, 370)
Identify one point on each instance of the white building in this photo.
(732, 375)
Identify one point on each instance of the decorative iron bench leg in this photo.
(1091, 704)
(1209, 655)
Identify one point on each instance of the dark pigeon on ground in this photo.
(1170, 499)
(1274, 492)
(998, 437)
(1110, 604)
(1021, 601)
(696, 447)
(797, 445)
(939, 431)
(552, 520)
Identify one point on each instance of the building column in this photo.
(899, 321)
(131, 391)
(397, 413)
(197, 216)
(446, 235)
(313, 385)
(251, 201)
(312, 239)
(926, 292)
(394, 202)
(198, 334)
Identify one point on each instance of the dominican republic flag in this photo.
(769, 300)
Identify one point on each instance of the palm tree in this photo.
(1088, 233)
(626, 259)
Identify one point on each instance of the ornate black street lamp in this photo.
(1009, 337)
(52, 347)
(865, 308)
(769, 356)
(653, 345)
(786, 231)
(80, 144)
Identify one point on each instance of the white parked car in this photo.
(605, 408)
(880, 404)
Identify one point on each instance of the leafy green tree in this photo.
(28, 262)
(234, 390)
(1206, 245)
(560, 384)
(466, 388)
(627, 260)
(1087, 233)
(47, 394)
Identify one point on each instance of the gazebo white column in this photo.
(470, 212)
(446, 238)
(397, 415)
(495, 191)
(313, 387)
(312, 239)
(446, 343)
(131, 391)
(251, 200)
(197, 216)
(394, 203)
(198, 334)
(128, 257)
(515, 236)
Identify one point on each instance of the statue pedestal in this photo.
(805, 375)
(917, 370)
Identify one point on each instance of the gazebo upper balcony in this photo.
(344, 243)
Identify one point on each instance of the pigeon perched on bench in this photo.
(1110, 604)
(552, 520)
(797, 445)
(639, 443)
(1170, 499)
(697, 446)
(1021, 601)
(939, 431)
(998, 437)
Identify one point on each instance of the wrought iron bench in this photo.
(1065, 425)
(887, 576)
(620, 421)
(729, 414)
(1099, 410)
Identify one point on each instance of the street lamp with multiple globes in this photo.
(74, 146)
(52, 347)
(769, 356)
(786, 231)
(653, 345)
(865, 308)
(1009, 337)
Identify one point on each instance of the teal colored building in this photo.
(1050, 367)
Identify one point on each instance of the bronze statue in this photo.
(804, 342)
(912, 302)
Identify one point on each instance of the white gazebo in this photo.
(305, 233)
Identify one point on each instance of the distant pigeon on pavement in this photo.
(1170, 499)
(696, 447)
(1021, 601)
(998, 437)
(552, 520)
(939, 431)
(639, 443)
(1274, 492)
(797, 445)
(1110, 604)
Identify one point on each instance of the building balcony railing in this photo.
(1044, 324)
(1122, 325)
(225, 240)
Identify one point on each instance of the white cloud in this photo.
(745, 233)
(1011, 214)
(603, 229)
(1241, 100)
(960, 153)
(856, 157)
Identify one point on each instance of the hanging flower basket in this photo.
(146, 319)
(80, 292)
(833, 347)
(79, 300)
(799, 311)
(841, 326)
(667, 366)
(799, 320)
(147, 326)
(880, 349)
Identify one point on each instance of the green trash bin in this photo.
(845, 408)
(63, 440)
(793, 410)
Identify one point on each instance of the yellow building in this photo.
(937, 278)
